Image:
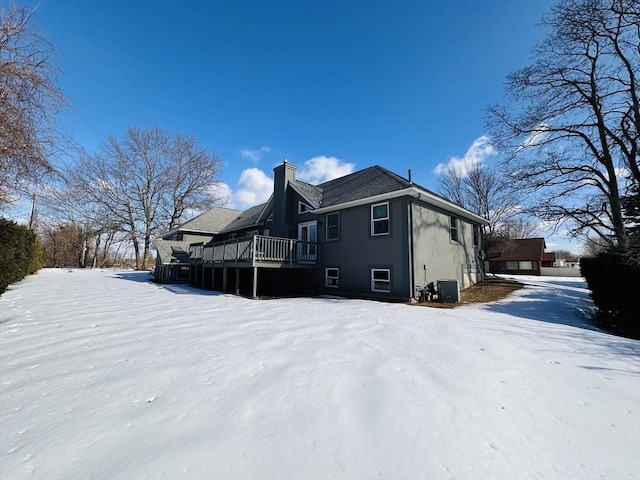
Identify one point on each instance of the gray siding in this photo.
(356, 252)
(435, 255)
(196, 237)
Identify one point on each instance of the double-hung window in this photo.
(380, 219)
(333, 226)
(332, 277)
(453, 229)
(380, 280)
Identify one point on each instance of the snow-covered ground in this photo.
(105, 375)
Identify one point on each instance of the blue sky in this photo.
(331, 86)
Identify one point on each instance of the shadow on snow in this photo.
(177, 288)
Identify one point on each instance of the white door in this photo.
(307, 238)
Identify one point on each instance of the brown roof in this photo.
(524, 249)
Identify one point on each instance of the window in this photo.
(333, 226)
(251, 233)
(525, 265)
(332, 277)
(232, 236)
(380, 280)
(453, 229)
(380, 219)
(509, 265)
(266, 232)
(476, 235)
(304, 208)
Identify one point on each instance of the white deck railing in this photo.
(256, 249)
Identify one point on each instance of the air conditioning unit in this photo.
(448, 291)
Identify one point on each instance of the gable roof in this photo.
(212, 221)
(375, 184)
(523, 249)
(311, 193)
(245, 219)
(171, 251)
(365, 183)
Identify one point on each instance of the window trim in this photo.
(454, 230)
(337, 226)
(373, 280)
(382, 219)
(303, 207)
(336, 277)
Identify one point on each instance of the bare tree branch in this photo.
(29, 102)
(573, 126)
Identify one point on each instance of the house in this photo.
(172, 247)
(525, 256)
(567, 262)
(371, 234)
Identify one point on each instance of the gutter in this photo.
(411, 192)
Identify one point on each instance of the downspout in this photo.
(412, 280)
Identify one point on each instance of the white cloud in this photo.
(322, 169)
(479, 150)
(223, 192)
(535, 137)
(254, 154)
(255, 188)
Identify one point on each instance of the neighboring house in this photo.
(172, 247)
(370, 234)
(567, 263)
(525, 256)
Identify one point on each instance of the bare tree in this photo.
(64, 203)
(189, 180)
(63, 244)
(484, 190)
(144, 182)
(572, 127)
(29, 102)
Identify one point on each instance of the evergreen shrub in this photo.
(20, 253)
(615, 286)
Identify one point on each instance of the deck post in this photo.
(224, 279)
(255, 282)
(213, 277)
(237, 281)
(253, 253)
(291, 248)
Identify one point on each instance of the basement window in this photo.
(332, 277)
(380, 280)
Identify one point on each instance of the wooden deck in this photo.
(256, 251)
